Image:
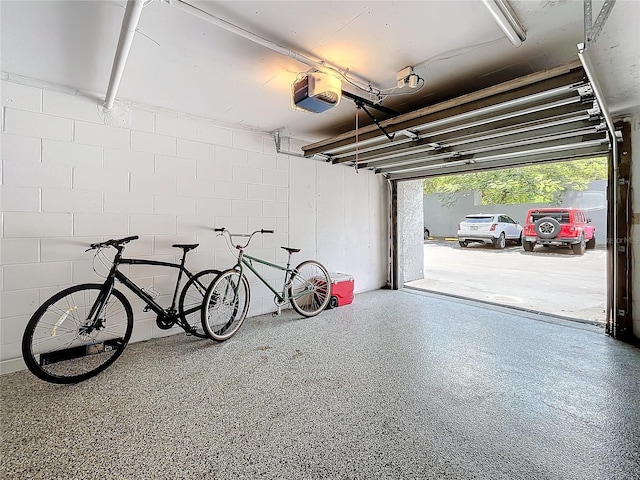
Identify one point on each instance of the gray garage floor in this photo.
(397, 385)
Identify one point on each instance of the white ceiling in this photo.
(183, 63)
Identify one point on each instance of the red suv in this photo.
(558, 226)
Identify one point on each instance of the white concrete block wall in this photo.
(69, 180)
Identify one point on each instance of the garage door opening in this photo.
(475, 224)
(550, 116)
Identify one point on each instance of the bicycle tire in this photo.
(191, 300)
(310, 290)
(55, 348)
(225, 306)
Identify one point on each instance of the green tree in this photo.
(544, 183)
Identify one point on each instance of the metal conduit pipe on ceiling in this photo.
(230, 27)
(127, 32)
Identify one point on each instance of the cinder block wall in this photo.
(69, 179)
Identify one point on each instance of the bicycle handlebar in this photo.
(112, 243)
(230, 236)
(222, 230)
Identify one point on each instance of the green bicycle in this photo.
(226, 302)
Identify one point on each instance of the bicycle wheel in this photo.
(225, 306)
(310, 290)
(191, 298)
(60, 343)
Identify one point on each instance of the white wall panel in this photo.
(175, 127)
(175, 165)
(142, 120)
(248, 141)
(331, 232)
(22, 97)
(76, 200)
(100, 179)
(169, 180)
(246, 174)
(19, 250)
(128, 160)
(74, 154)
(262, 160)
(197, 150)
(17, 174)
(19, 302)
(35, 225)
(77, 107)
(102, 135)
(261, 192)
(34, 275)
(152, 143)
(21, 149)
(97, 224)
(22, 122)
(303, 206)
(214, 135)
(127, 203)
(20, 199)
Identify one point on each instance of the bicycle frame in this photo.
(245, 259)
(115, 274)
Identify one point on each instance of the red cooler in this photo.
(341, 290)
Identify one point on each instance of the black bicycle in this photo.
(80, 331)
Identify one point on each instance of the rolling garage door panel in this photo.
(543, 117)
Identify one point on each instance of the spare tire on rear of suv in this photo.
(547, 228)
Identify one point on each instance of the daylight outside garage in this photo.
(551, 279)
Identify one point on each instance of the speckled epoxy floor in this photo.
(399, 385)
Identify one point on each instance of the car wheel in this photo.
(591, 244)
(499, 242)
(528, 246)
(578, 248)
(519, 240)
(463, 243)
(547, 227)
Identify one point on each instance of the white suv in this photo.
(492, 228)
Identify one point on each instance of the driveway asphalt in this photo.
(547, 280)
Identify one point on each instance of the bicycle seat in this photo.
(185, 247)
(291, 250)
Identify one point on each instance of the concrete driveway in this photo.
(547, 280)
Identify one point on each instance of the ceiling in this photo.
(183, 63)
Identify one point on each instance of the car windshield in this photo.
(479, 219)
